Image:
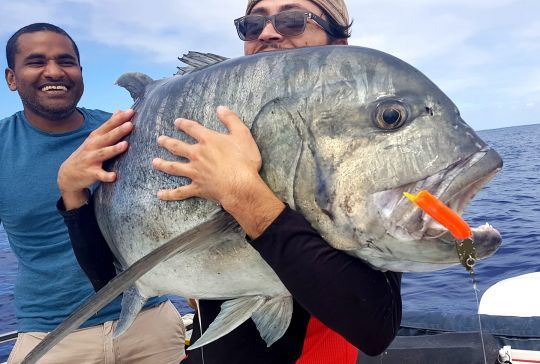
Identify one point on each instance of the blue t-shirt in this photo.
(50, 283)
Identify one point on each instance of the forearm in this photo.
(346, 294)
(254, 207)
(89, 245)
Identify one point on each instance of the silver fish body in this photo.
(343, 131)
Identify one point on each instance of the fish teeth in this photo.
(55, 88)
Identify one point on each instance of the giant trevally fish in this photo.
(343, 131)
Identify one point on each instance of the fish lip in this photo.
(455, 186)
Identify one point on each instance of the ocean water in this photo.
(511, 203)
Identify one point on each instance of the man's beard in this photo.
(49, 112)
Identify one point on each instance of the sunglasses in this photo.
(286, 23)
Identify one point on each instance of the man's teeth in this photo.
(54, 88)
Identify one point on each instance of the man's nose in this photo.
(269, 33)
(53, 70)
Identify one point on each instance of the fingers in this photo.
(191, 128)
(107, 153)
(98, 139)
(117, 119)
(195, 130)
(114, 135)
(84, 167)
(177, 194)
(173, 168)
(104, 176)
(229, 118)
(175, 146)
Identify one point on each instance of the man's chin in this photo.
(52, 113)
(52, 109)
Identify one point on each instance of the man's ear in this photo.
(10, 79)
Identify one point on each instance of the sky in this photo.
(484, 54)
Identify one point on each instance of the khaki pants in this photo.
(156, 336)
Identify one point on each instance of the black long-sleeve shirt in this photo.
(346, 294)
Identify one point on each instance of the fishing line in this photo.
(475, 288)
(200, 328)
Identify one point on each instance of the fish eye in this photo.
(390, 115)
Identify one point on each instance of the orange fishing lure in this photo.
(441, 213)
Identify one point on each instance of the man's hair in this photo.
(337, 31)
(11, 46)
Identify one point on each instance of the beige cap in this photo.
(336, 8)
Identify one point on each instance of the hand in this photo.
(223, 168)
(219, 164)
(84, 167)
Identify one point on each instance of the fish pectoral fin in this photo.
(273, 318)
(233, 313)
(132, 304)
(213, 232)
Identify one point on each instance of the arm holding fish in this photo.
(80, 171)
(345, 293)
(91, 250)
(84, 167)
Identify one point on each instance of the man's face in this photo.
(46, 74)
(271, 40)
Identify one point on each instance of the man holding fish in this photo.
(341, 304)
(44, 68)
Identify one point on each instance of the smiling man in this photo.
(44, 68)
(49, 94)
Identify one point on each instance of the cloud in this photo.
(417, 31)
(482, 50)
(155, 29)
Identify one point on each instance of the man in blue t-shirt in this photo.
(44, 68)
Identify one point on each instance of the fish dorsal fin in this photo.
(135, 83)
(196, 61)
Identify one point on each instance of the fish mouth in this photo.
(456, 186)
